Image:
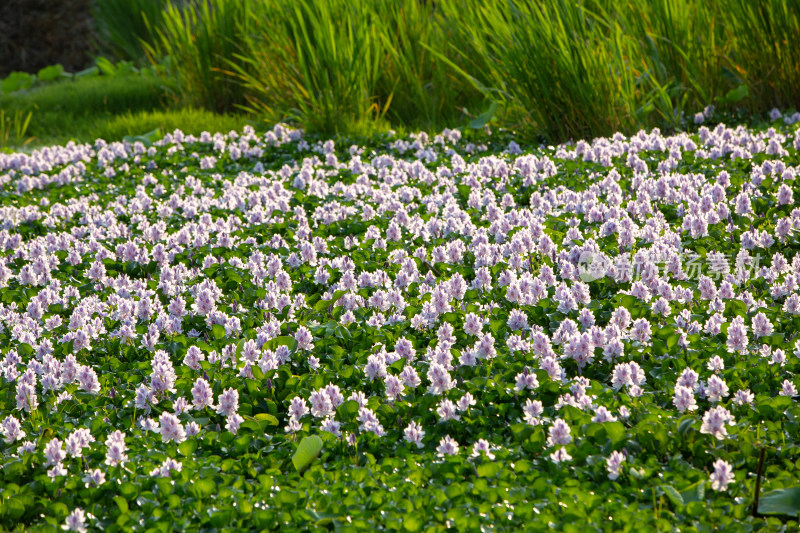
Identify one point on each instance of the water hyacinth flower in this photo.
(559, 433)
(532, 410)
(602, 414)
(202, 395)
(788, 389)
(115, 449)
(613, 464)
(715, 364)
(737, 336)
(722, 476)
(684, 399)
(76, 521)
(482, 447)
(526, 380)
(447, 446)
(422, 236)
(394, 387)
(54, 452)
(560, 456)
(440, 379)
(298, 408)
(233, 422)
(58, 470)
(77, 440)
(228, 402)
(715, 420)
(171, 428)
(94, 477)
(465, 402)
(413, 434)
(26, 397)
(447, 411)
(743, 397)
(12, 430)
(331, 426)
(166, 468)
(762, 327)
(716, 389)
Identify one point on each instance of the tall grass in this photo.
(13, 128)
(559, 69)
(682, 49)
(765, 49)
(340, 64)
(314, 62)
(336, 52)
(423, 90)
(196, 41)
(124, 26)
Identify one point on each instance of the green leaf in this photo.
(307, 451)
(484, 118)
(672, 340)
(784, 501)
(267, 418)
(88, 72)
(187, 447)
(122, 504)
(17, 81)
(129, 491)
(203, 487)
(348, 408)
(222, 518)
(673, 495)
(694, 493)
(218, 331)
(13, 509)
(615, 432)
(685, 424)
(60, 511)
(51, 73)
(413, 522)
(736, 95)
(488, 469)
(106, 67)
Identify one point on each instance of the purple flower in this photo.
(722, 475)
(76, 521)
(414, 434)
(447, 446)
(228, 402)
(559, 433)
(613, 464)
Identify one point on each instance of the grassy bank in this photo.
(550, 71)
(108, 107)
(554, 69)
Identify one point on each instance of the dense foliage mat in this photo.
(246, 332)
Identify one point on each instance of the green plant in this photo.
(190, 121)
(13, 128)
(682, 50)
(124, 26)
(196, 42)
(17, 81)
(422, 89)
(764, 53)
(562, 70)
(316, 62)
(74, 108)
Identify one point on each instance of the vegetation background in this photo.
(553, 70)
